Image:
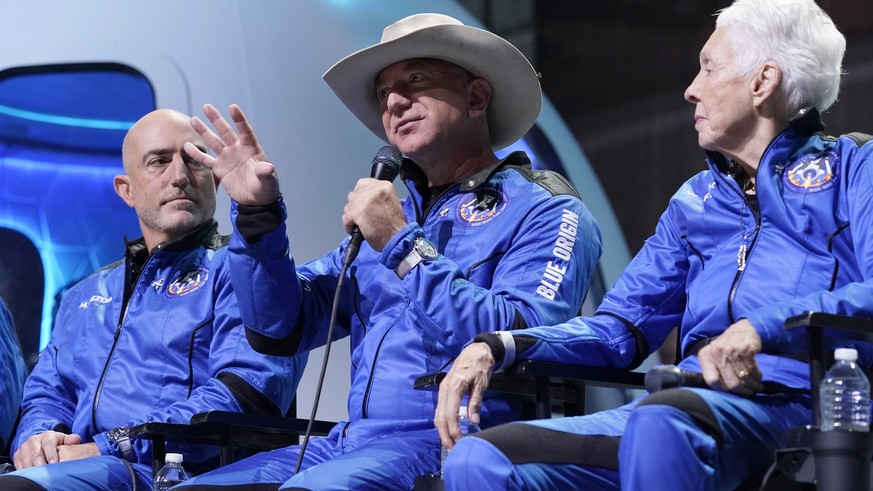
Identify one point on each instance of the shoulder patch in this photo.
(551, 181)
(859, 138)
(116, 264)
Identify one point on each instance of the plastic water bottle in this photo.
(844, 395)
(171, 473)
(467, 427)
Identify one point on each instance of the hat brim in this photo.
(516, 98)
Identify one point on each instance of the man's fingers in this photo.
(222, 127)
(212, 140)
(445, 423)
(474, 403)
(21, 460)
(453, 430)
(40, 449)
(198, 156)
(72, 439)
(243, 128)
(49, 453)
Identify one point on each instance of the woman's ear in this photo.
(765, 83)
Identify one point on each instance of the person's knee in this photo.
(474, 463)
(683, 401)
(466, 451)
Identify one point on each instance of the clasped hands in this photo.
(50, 447)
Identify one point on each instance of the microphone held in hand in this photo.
(386, 163)
(670, 376)
(386, 166)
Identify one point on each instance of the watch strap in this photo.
(121, 437)
(410, 261)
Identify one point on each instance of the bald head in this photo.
(172, 193)
(129, 148)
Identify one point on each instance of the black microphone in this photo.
(386, 166)
(670, 376)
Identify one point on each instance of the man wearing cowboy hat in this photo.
(480, 244)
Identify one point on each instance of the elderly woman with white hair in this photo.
(780, 223)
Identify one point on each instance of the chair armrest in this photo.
(228, 429)
(597, 376)
(160, 433)
(861, 327)
(181, 432)
(266, 424)
(545, 382)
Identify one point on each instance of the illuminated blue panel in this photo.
(61, 130)
(100, 124)
(85, 107)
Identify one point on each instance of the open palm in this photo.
(239, 163)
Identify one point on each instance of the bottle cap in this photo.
(846, 354)
(462, 412)
(173, 457)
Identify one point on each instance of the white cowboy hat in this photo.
(516, 98)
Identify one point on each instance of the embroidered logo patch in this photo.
(187, 282)
(95, 299)
(812, 174)
(480, 207)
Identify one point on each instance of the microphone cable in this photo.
(386, 166)
(333, 312)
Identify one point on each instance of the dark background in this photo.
(617, 70)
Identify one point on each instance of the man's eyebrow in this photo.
(163, 152)
(418, 63)
(157, 152)
(415, 63)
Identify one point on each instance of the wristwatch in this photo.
(121, 436)
(421, 249)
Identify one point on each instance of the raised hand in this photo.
(240, 163)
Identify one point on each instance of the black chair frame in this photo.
(547, 385)
(229, 431)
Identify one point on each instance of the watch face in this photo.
(120, 432)
(425, 248)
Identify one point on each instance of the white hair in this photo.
(798, 36)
